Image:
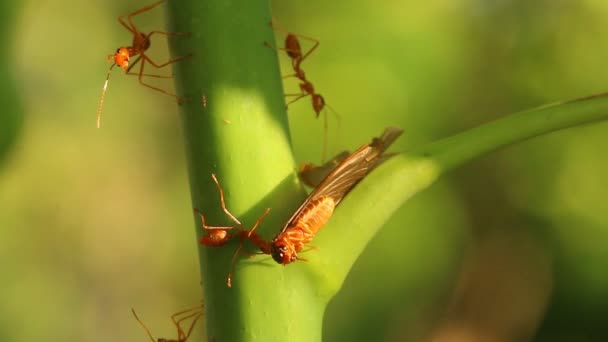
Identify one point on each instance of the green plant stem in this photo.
(378, 196)
(235, 125)
(458, 149)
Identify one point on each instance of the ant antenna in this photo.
(326, 127)
(143, 325)
(103, 95)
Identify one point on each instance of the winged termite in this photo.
(313, 213)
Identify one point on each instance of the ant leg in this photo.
(171, 61)
(148, 75)
(254, 237)
(336, 114)
(299, 96)
(192, 312)
(131, 65)
(131, 26)
(140, 75)
(274, 24)
(196, 318)
(143, 325)
(325, 137)
(313, 48)
(137, 60)
(290, 75)
(280, 48)
(204, 223)
(186, 311)
(221, 239)
(216, 235)
(141, 81)
(169, 33)
(325, 123)
(223, 203)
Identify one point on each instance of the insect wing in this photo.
(312, 175)
(349, 172)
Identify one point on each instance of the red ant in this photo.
(141, 43)
(312, 215)
(294, 51)
(182, 336)
(217, 236)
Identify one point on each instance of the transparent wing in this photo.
(349, 172)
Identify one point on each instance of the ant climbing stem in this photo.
(140, 44)
(294, 51)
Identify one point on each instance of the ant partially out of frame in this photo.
(141, 43)
(177, 318)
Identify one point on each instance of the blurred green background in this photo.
(510, 248)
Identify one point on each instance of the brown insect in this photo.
(177, 318)
(312, 215)
(141, 43)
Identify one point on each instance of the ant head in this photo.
(282, 252)
(121, 58)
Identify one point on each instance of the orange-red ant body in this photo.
(182, 336)
(312, 215)
(141, 43)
